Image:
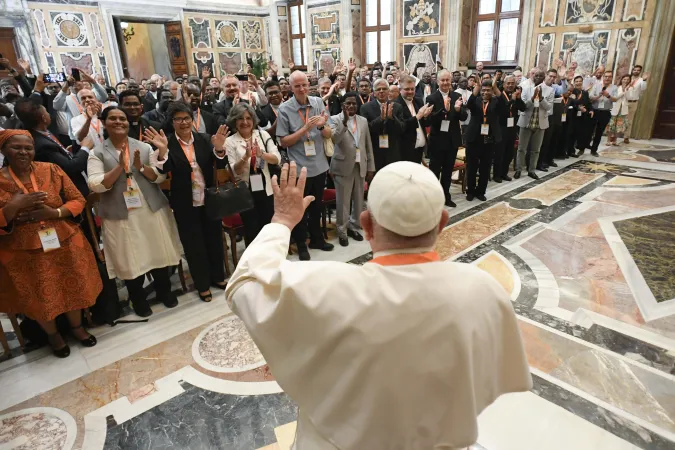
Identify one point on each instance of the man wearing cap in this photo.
(381, 355)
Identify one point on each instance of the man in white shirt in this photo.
(638, 83)
(87, 123)
(70, 104)
(380, 356)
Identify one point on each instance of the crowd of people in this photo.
(63, 143)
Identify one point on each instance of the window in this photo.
(376, 25)
(297, 33)
(497, 31)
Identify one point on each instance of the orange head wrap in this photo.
(6, 134)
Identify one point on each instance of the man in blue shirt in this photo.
(301, 128)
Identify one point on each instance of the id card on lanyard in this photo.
(189, 151)
(310, 148)
(48, 236)
(132, 197)
(485, 127)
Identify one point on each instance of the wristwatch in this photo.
(320, 128)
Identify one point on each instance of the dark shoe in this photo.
(222, 286)
(62, 352)
(482, 198)
(354, 235)
(303, 254)
(497, 179)
(581, 152)
(469, 197)
(542, 168)
(594, 154)
(517, 174)
(171, 301)
(533, 175)
(90, 341)
(506, 178)
(553, 164)
(325, 246)
(206, 298)
(142, 309)
(343, 241)
(450, 203)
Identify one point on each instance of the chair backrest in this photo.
(92, 199)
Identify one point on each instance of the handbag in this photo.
(275, 169)
(229, 199)
(328, 147)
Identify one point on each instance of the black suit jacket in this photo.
(179, 167)
(271, 117)
(511, 108)
(360, 102)
(419, 89)
(149, 102)
(210, 122)
(73, 164)
(155, 116)
(222, 109)
(391, 127)
(410, 123)
(583, 99)
(442, 140)
(495, 110)
(136, 130)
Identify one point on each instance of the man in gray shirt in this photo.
(301, 128)
(603, 96)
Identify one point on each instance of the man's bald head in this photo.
(299, 86)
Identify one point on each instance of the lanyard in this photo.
(401, 259)
(53, 138)
(199, 120)
(367, 99)
(77, 103)
(189, 154)
(485, 107)
(276, 114)
(446, 102)
(23, 188)
(306, 118)
(125, 149)
(508, 99)
(564, 101)
(96, 125)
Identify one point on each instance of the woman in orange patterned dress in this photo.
(40, 275)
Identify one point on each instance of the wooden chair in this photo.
(460, 166)
(92, 199)
(3, 338)
(231, 226)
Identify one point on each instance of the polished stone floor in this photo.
(585, 253)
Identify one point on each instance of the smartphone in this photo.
(242, 77)
(76, 74)
(54, 77)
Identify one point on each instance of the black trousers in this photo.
(202, 240)
(261, 214)
(602, 118)
(412, 155)
(312, 220)
(503, 161)
(551, 138)
(479, 158)
(583, 131)
(442, 162)
(562, 146)
(161, 282)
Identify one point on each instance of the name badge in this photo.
(384, 141)
(196, 193)
(564, 117)
(132, 198)
(358, 155)
(310, 149)
(49, 239)
(578, 113)
(536, 103)
(256, 182)
(510, 122)
(485, 129)
(445, 125)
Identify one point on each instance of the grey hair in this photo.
(324, 80)
(509, 76)
(79, 93)
(380, 81)
(443, 72)
(237, 112)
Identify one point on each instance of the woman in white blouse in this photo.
(139, 233)
(250, 151)
(618, 124)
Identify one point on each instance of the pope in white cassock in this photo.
(402, 353)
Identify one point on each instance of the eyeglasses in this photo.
(182, 119)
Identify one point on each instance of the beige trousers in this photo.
(632, 106)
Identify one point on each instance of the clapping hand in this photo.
(137, 160)
(383, 111)
(537, 93)
(390, 111)
(458, 104)
(256, 149)
(123, 160)
(218, 139)
(289, 201)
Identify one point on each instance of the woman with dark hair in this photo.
(191, 158)
(250, 151)
(47, 266)
(580, 127)
(139, 232)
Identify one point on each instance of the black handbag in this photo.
(229, 199)
(275, 169)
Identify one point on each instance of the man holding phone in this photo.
(386, 125)
(67, 100)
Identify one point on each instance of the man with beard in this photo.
(87, 123)
(385, 124)
(130, 103)
(504, 152)
(538, 99)
(151, 98)
(202, 121)
(208, 99)
(638, 82)
(603, 96)
(159, 114)
(445, 136)
(414, 117)
(231, 92)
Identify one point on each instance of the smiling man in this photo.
(414, 117)
(87, 123)
(385, 123)
(202, 121)
(130, 103)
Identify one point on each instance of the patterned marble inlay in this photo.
(629, 181)
(37, 428)
(499, 268)
(559, 187)
(463, 235)
(226, 347)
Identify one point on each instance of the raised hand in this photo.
(289, 200)
(25, 65)
(645, 76)
(91, 112)
(39, 84)
(206, 72)
(274, 68)
(291, 64)
(218, 139)
(252, 79)
(158, 140)
(351, 64)
(87, 142)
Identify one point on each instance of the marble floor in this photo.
(585, 253)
